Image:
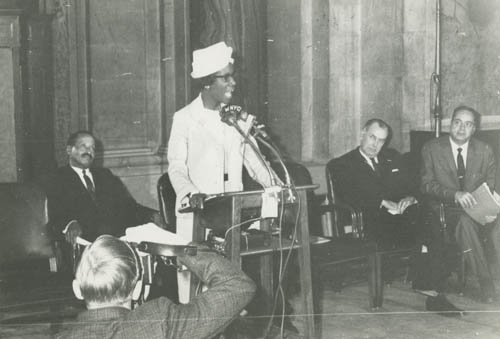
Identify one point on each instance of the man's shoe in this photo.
(443, 306)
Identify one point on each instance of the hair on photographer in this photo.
(108, 278)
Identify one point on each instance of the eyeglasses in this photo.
(226, 77)
(459, 123)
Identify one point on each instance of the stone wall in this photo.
(314, 71)
(471, 55)
(121, 72)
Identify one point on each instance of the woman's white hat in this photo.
(211, 59)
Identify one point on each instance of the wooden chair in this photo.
(166, 200)
(347, 246)
(349, 240)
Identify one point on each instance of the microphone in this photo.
(230, 114)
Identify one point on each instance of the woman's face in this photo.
(221, 90)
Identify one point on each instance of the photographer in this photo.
(108, 279)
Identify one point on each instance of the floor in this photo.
(403, 315)
(27, 311)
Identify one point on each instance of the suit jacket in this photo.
(439, 179)
(229, 290)
(111, 213)
(357, 183)
(196, 155)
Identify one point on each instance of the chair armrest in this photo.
(67, 256)
(356, 217)
(443, 224)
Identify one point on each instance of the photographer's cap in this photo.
(211, 59)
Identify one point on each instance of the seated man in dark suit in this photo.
(88, 201)
(376, 180)
(453, 167)
(108, 278)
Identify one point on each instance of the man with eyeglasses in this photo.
(204, 154)
(453, 167)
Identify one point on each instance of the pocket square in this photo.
(395, 170)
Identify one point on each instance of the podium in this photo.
(222, 211)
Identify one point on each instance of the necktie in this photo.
(460, 168)
(89, 184)
(376, 167)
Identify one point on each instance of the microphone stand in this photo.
(264, 138)
(435, 87)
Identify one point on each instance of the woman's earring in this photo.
(207, 87)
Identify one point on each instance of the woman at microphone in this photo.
(206, 155)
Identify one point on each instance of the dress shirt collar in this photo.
(368, 159)
(79, 171)
(454, 149)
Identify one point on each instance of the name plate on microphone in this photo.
(270, 201)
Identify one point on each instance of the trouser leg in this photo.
(394, 231)
(467, 236)
(495, 239)
(432, 274)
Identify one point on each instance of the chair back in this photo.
(353, 215)
(298, 173)
(331, 182)
(23, 223)
(166, 199)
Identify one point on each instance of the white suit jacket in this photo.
(198, 149)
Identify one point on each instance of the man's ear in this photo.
(76, 290)
(136, 293)
(68, 149)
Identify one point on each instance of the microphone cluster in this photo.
(230, 114)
